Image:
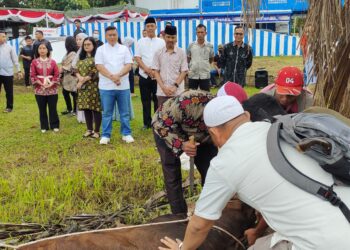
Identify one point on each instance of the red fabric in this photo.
(14, 11)
(32, 14)
(56, 15)
(303, 45)
(36, 16)
(4, 12)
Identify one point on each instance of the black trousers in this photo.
(148, 89)
(203, 84)
(66, 95)
(171, 166)
(26, 76)
(51, 101)
(8, 86)
(132, 81)
(93, 117)
(162, 99)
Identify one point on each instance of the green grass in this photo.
(44, 177)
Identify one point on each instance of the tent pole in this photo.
(47, 20)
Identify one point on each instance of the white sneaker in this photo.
(43, 131)
(128, 138)
(56, 130)
(104, 140)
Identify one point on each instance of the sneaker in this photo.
(88, 134)
(73, 113)
(7, 110)
(95, 135)
(56, 130)
(104, 140)
(43, 131)
(128, 138)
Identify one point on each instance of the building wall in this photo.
(167, 4)
(221, 5)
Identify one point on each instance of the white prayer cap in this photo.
(221, 110)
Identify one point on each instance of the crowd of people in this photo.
(229, 149)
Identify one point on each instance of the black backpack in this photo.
(322, 137)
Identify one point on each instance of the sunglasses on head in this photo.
(241, 34)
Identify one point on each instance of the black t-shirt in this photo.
(27, 51)
(99, 43)
(37, 43)
(78, 31)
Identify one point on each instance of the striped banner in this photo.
(14, 43)
(264, 43)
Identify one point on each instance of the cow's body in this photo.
(235, 219)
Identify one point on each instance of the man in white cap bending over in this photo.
(300, 220)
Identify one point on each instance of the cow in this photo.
(228, 230)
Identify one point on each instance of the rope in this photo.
(231, 235)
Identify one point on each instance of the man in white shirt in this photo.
(301, 221)
(8, 59)
(113, 61)
(145, 50)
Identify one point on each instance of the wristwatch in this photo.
(176, 85)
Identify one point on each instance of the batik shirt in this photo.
(180, 117)
(235, 61)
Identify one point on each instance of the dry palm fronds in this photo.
(328, 37)
(250, 12)
(14, 234)
(20, 233)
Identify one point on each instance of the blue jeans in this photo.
(108, 99)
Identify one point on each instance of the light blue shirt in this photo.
(8, 59)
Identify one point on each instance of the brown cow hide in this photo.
(235, 219)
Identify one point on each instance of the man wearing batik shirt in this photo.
(236, 58)
(174, 122)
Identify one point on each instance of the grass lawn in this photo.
(44, 177)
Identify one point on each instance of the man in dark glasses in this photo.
(236, 59)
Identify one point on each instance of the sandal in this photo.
(95, 135)
(88, 134)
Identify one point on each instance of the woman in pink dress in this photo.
(44, 75)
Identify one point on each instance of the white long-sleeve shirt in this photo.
(8, 58)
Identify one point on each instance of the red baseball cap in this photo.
(233, 89)
(289, 81)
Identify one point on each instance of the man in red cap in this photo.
(288, 90)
